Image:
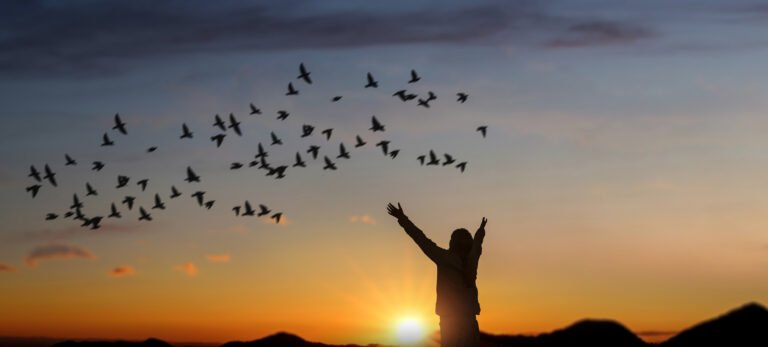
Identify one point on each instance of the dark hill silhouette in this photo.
(743, 327)
(281, 339)
(592, 333)
(146, 343)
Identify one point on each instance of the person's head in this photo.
(461, 242)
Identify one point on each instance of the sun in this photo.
(409, 330)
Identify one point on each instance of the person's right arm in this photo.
(432, 250)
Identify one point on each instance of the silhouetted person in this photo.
(457, 303)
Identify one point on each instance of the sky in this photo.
(622, 173)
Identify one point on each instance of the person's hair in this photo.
(461, 244)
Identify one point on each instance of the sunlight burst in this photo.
(409, 330)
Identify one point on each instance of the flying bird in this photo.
(122, 181)
(275, 140)
(414, 77)
(219, 123)
(299, 162)
(421, 159)
(237, 210)
(158, 203)
(248, 210)
(93, 222)
(199, 196)
(50, 175)
(234, 124)
(327, 133)
(151, 149)
(219, 138)
(277, 217)
(304, 74)
(394, 153)
(403, 96)
(261, 152)
(279, 171)
(424, 103)
(254, 109)
(306, 130)
(143, 184)
(235, 166)
(384, 144)
(342, 152)
(191, 176)
(483, 129)
(282, 114)
(144, 215)
(431, 96)
(105, 141)
(34, 173)
(113, 212)
(70, 161)
(329, 165)
(90, 190)
(314, 150)
(119, 125)
(128, 200)
(359, 141)
(375, 125)
(97, 166)
(263, 210)
(68, 214)
(336, 98)
(209, 204)
(79, 215)
(185, 133)
(51, 216)
(462, 97)
(371, 82)
(175, 192)
(448, 159)
(462, 166)
(34, 189)
(433, 158)
(75, 202)
(291, 90)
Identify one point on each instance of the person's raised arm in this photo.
(477, 241)
(427, 246)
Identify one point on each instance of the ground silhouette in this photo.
(746, 326)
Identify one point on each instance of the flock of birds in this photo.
(128, 202)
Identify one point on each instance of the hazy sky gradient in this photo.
(623, 174)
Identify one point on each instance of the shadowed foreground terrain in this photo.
(746, 326)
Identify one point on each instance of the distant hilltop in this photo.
(746, 326)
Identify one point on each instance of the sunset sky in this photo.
(624, 173)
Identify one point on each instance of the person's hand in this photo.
(396, 212)
(482, 224)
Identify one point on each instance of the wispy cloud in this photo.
(44, 38)
(122, 271)
(363, 218)
(218, 258)
(57, 252)
(6, 268)
(188, 268)
(599, 33)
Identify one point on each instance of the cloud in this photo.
(45, 38)
(6, 268)
(57, 252)
(599, 33)
(66, 233)
(189, 268)
(218, 258)
(364, 218)
(122, 271)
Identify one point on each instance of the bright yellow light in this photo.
(409, 330)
